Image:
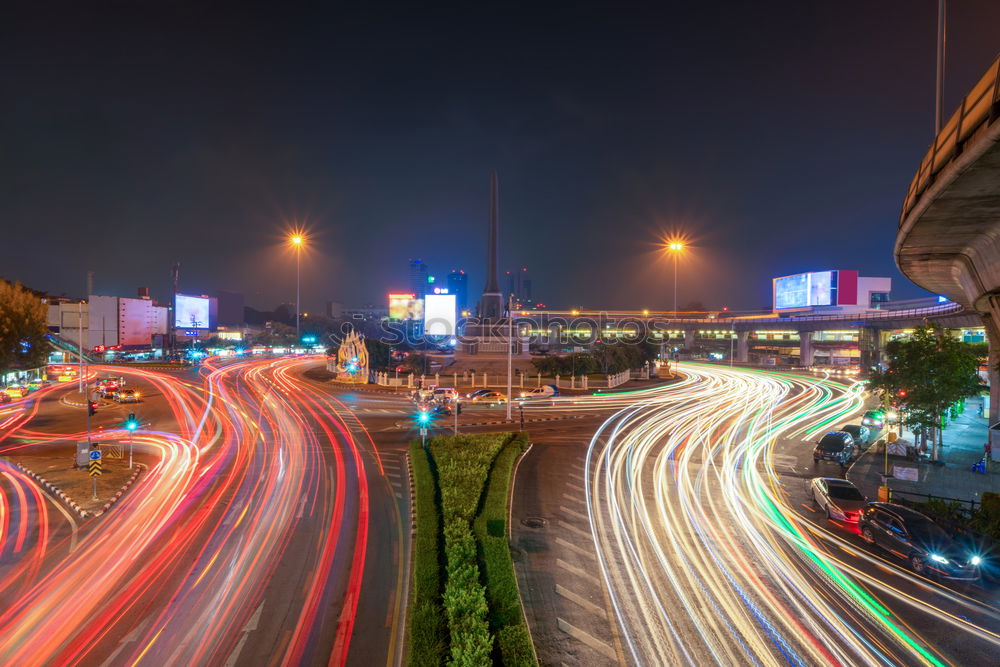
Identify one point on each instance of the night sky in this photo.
(779, 136)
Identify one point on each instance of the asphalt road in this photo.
(682, 534)
(265, 512)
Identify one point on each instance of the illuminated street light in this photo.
(297, 240)
(676, 248)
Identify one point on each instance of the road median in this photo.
(466, 607)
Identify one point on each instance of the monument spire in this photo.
(491, 303)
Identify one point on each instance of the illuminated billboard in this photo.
(404, 306)
(439, 315)
(194, 312)
(804, 290)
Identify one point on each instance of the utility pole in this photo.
(80, 381)
(172, 317)
(510, 349)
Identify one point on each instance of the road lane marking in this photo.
(577, 515)
(126, 640)
(572, 547)
(582, 601)
(574, 529)
(572, 569)
(587, 638)
(247, 629)
(65, 513)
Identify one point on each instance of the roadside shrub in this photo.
(428, 635)
(506, 619)
(463, 486)
(463, 464)
(515, 646)
(465, 599)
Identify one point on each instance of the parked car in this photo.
(545, 391)
(908, 534)
(841, 500)
(873, 419)
(126, 396)
(861, 434)
(835, 446)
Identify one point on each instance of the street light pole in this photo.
(298, 280)
(675, 247)
(510, 349)
(296, 242)
(675, 283)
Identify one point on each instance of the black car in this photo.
(836, 446)
(860, 433)
(908, 534)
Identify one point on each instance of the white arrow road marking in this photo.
(247, 629)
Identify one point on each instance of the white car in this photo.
(545, 391)
(839, 498)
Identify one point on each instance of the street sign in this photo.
(423, 432)
(95, 455)
(95, 468)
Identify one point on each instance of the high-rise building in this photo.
(458, 284)
(519, 286)
(418, 277)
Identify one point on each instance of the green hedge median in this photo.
(462, 487)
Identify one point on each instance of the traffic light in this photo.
(423, 418)
(131, 423)
(91, 408)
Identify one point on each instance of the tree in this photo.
(927, 374)
(378, 353)
(277, 334)
(23, 326)
(417, 363)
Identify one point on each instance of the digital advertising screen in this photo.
(821, 288)
(791, 291)
(194, 312)
(439, 315)
(805, 289)
(405, 307)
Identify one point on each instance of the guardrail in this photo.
(980, 108)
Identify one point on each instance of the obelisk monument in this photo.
(491, 306)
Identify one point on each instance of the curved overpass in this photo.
(949, 229)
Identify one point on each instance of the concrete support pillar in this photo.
(688, 340)
(993, 339)
(805, 348)
(742, 347)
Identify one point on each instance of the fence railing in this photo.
(499, 380)
(928, 497)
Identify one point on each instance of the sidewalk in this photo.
(963, 447)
